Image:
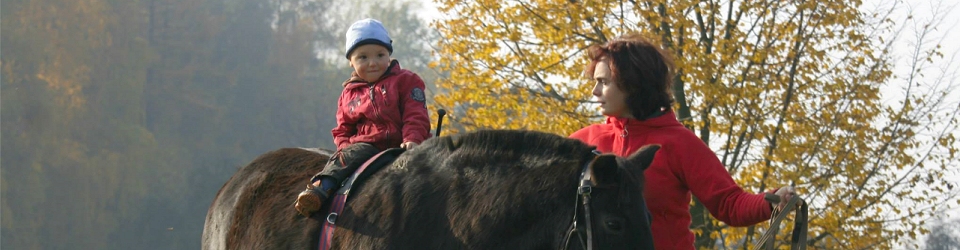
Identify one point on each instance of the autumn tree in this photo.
(122, 119)
(60, 118)
(786, 92)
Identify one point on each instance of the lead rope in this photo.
(799, 236)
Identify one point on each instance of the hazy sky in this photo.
(947, 33)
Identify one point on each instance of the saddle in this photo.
(341, 197)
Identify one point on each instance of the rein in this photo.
(799, 237)
(583, 194)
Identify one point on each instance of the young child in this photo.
(382, 106)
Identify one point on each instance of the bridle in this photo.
(583, 198)
(799, 236)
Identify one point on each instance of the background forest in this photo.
(120, 120)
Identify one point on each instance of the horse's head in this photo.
(611, 212)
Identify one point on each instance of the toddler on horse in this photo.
(382, 106)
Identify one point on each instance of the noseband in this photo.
(583, 198)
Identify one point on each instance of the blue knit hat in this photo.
(367, 31)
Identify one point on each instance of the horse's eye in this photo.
(614, 225)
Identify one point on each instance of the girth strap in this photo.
(339, 200)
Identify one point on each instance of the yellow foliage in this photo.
(789, 91)
(67, 29)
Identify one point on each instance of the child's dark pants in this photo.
(344, 162)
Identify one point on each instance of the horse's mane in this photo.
(514, 147)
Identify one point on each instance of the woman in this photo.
(633, 88)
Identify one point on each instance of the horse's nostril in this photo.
(614, 225)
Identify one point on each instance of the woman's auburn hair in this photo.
(641, 69)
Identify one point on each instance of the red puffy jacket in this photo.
(384, 113)
(684, 165)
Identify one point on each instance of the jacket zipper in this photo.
(376, 110)
(623, 136)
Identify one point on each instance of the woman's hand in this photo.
(408, 145)
(785, 194)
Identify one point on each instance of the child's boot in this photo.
(310, 200)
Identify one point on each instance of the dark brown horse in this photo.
(497, 189)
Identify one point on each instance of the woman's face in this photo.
(613, 101)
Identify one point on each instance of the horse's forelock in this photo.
(627, 179)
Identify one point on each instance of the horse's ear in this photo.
(643, 157)
(604, 169)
